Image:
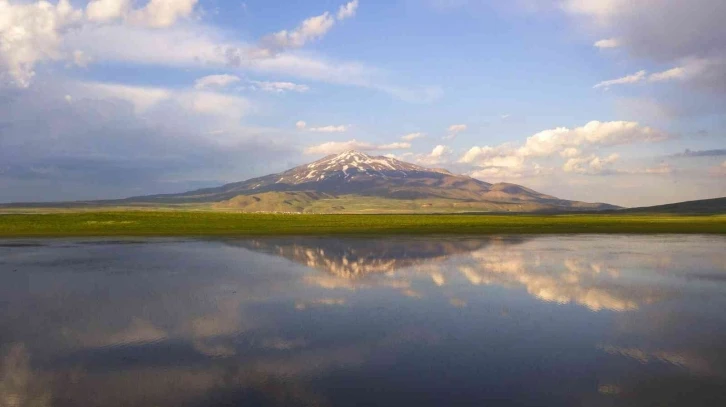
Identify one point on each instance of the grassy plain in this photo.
(203, 223)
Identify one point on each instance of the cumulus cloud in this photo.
(38, 32)
(592, 164)
(347, 10)
(155, 14)
(573, 145)
(301, 125)
(162, 13)
(594, 133)
(33, 32)
(218, 81)
(412, 136)
(440, 151)
(607, 43)
(569, 152)
(107, 10)
(439, 155)
(334, 147)
(30, 33)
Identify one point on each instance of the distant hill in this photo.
(355, 182)
(703, 206)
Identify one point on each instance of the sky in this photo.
(612, 101)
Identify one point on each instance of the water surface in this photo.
(510, 321)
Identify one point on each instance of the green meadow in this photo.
(192, 223)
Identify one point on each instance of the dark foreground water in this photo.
(544, 321)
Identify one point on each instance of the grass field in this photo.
(188, 223)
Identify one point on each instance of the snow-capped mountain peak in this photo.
(348, 165)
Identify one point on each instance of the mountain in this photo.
(353, 258)
(357, 182)
(703, 206)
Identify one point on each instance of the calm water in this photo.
(545, 321)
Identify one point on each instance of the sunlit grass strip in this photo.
(178, 223)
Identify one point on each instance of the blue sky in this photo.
(597, 100)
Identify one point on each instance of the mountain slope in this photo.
(703, 206)
(355, 181)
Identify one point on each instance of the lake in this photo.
(481, 321)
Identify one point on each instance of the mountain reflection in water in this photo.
(552, 320)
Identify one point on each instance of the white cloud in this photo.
(681, 72)
(663, 31)
(634, 78)
(454, 131)
(440, 151)
(570, 152)
(457, 128)
(439, 155)
(592, 164)
(330, 129)
(347, 10)
(594, 133)
(107, 10)
(144, 99)
(34, 32)
(334, 147)
(691, 69)
(394, 146)
(412, 136)
(155, 14)
(496, 173)
(280, 87)
(311, 29)
(30, 33)
(216, 104)
(675, 73)
(607, 43)
(219, 81)
(510, 161)
(162, 13)
(301, 125)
